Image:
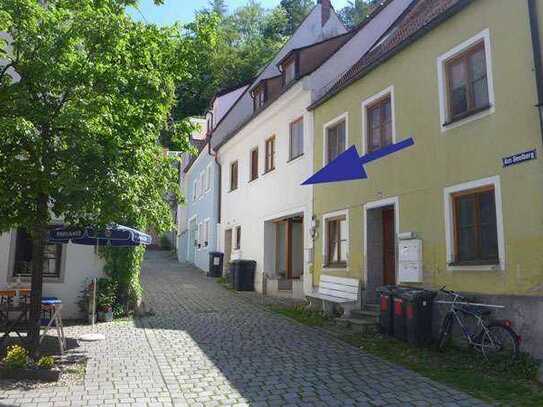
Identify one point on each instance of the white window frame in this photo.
(199, 234)
(235, 238)
(442, 80)
(230, 176)
(370, 101)
(325, 217)
(301, 120)
(208, 178)
(257, 149)
(202, 184)
(205, 242)
(449, 222)
(344, 116)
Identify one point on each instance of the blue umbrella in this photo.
(113, 235)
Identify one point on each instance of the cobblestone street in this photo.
(207, 346)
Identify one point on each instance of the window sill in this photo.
(233, 190)
(268, 172)
(46, 280)
(297, 158)
(335, 266)
(467, 115)
(481, 266)
(335, 269)
(253, 180)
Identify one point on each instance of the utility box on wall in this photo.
(410, 261)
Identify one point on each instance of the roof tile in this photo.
(423, 15)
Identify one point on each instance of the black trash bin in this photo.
(243, 275)
(385, 297)
(418, 316)
(399, 329)
(215, 264)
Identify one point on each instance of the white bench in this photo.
(337, 290)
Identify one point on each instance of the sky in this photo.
(183, 10)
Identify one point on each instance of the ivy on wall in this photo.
(123, 264)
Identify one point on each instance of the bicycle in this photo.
(494, 337)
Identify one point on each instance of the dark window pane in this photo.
(466, 207)
(332, 143)
(467, 81)
(487, 207)
(379, 125)
(234, 176)
(296, 139)
(480, 93)
(475, 219)
(23, 257)
(477, 62)
(467, 244)
(459, 101)
(457, 71)
(254, 164)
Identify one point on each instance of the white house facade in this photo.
(266, 213)
(67, 269)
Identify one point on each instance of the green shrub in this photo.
(16, 357)
(123, 264)
(46, 362)
(106, 294)
(118, 311)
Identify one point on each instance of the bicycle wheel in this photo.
(499, 339)
(445, 332)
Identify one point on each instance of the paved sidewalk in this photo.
(207, 346)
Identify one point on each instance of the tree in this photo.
(296, 11)
(356, 11)
(80, 127)
(218, 7)
(245, 41)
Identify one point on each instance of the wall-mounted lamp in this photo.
(314, 227)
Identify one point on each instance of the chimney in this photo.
(326, 7)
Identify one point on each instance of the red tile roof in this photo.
(423, 16)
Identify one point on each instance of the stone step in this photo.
(364, 313)
(358, 324)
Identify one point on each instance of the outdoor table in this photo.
(8, 306)
(21, 309)
(54, 306)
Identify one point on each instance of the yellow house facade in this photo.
(463, 207)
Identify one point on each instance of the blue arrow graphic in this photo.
(349, 166)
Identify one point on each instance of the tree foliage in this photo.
(85, 95)
(296, 11)
(217, 6)
(245, 41)
(356, 11)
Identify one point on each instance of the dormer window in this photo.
(289, 72)
(259, 96)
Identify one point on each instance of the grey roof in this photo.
(309, 32)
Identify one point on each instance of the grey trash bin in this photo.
(215, 264)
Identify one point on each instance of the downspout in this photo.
(536, 49)
(219, 168)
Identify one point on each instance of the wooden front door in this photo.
(389, 247)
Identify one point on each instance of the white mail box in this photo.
(410, 261)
